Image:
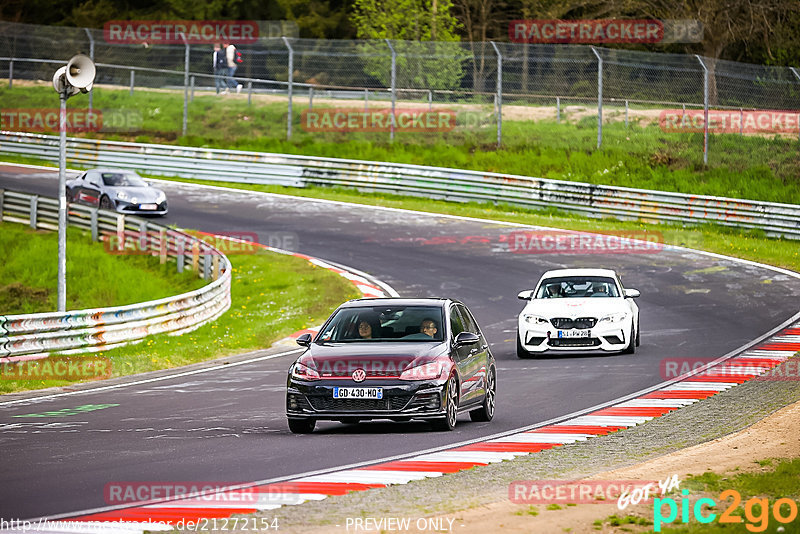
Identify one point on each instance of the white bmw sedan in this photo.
(578, 310)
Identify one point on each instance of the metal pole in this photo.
(430, 100)
(394, 88)
(191, 85)
(291, 81)
(741, 121)
(62, 204)
(599, 98)
(310, 98)
(91, 56)
(250, 92)
(185, 84)
(499, 97)
(796, 75)
(133, 74)
(10, 72)
(366, 100)
(558, 109)
(705, 110)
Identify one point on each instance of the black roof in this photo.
(397, 301)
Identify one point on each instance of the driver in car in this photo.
(553, 291)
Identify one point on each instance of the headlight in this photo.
(304, 372)
(122, 195)
(614, 317)
(427, 371)
(161, 197)
(535, 319)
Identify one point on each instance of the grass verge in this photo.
(95, 278)
(641, 156)
(270, 299)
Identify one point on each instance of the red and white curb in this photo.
(655, 402)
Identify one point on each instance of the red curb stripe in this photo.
(577, 429)
(325, 488)
(507, 447)
(790, 332)
(434, 467)
(738, 379)
(680, 394)
(646, 411)
(788, 347)
(750, 362)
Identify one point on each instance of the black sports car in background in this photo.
(393, 358)
(119, 190)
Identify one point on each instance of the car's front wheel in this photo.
(486, 412)
(448, 422)
(631, 348)
(302, 426)
(106, 204)
(521, 352)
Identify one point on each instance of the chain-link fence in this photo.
(482, 83)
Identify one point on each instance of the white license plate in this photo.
(148, 206)
(573, 333)
(357, 393)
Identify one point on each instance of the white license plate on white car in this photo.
(357, 393)
(573, 333)
(148, 206)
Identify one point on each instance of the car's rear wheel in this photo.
(521, 352)
(448, 422)
(486, 412)
(302, 426)
(631, 348)
(106, 204)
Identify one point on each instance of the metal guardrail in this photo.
(433, 182)
(32, 336)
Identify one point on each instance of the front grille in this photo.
(582, 323)
(574, 342)
(329, 404)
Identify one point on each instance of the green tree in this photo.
(424, 38)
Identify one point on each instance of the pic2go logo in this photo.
(756, 511)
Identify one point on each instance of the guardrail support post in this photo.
(289, 89)
(705, 109)
(499, 95)
(144, 239)
(215, 267)
(93, 225)
(162, 246)
(91, 56)
(133, 75)
(33, 211)
(196, 256)
(120, 232)
(206, 266)
(599, 98)
(393, 87)
(180, 251)
(2, 197)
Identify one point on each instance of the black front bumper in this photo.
(401, 400)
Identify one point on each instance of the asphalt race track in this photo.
(229, 425)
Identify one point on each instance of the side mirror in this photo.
(632, 294)
(304, 340)
(525, 295)
(466, 338)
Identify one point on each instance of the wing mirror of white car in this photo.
(632, 294)
(304, 340)
(525, 295)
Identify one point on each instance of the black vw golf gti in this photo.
(393, 358)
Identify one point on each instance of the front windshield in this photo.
(123, 179)
(384, 323)
(577, 287)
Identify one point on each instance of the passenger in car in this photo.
(428, 327)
